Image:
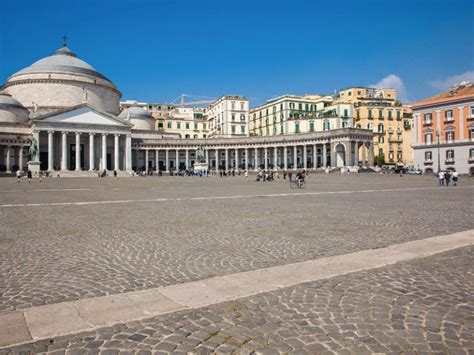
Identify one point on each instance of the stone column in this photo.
(8, 161)
(186, 163)
(315, 156)
(285, 158)
(128, 152)
(104, 151)
(217, 158)
(91, 152)
(20, 158)
(356, 153)
(116, 151)
(50, 151)
(256, 159)
(265, 157)
(236, 165)
(207, 159)
(275, 157)
(370, 153)
(333, 154)
(305, 156)
(167, 160)
(295, 157)
(325, 155)
(246, 159)
(226, 159)
(157, 160)
(78, 151)
(177, 160)
(146, 159)
(63, 150)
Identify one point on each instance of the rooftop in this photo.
(457, 92)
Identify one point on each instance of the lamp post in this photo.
(439, 162)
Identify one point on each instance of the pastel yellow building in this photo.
(390, 121)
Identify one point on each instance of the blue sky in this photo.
(156, 50)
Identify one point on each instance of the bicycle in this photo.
(300, 184)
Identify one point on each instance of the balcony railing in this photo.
(428, 162)
(395, 140)
(449, 161)
(427, 122)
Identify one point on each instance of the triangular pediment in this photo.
(83, 115)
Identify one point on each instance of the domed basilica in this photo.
(72, 113)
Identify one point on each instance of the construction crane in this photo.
(199, 100)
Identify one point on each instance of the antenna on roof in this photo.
(64, 41)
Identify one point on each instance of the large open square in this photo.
(69, 239)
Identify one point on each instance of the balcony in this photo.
(449, 120)
(428, 162)
(395, 140)
(427, 122)
(449, 161)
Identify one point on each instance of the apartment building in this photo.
(443, 136)
(228, 117)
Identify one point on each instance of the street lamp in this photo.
(439, 163)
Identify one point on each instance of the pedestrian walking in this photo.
(447, 177)
(455, 178)
(40, 174)
(246, 175)
(115, 174)
(290, 174)
(18, 175)
(441, 178)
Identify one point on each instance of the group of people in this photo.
(28, 174)
(444, 177)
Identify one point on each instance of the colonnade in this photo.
(295, 156)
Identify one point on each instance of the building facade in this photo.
(389, 120)
(72, 114)
(287, 114)
(443, 136)
(228, 117)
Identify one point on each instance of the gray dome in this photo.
(11, 110)
(62, 61)
(140, 118)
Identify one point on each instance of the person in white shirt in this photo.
(441, 178)
(18, 175)
(455, 177)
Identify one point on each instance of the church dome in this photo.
(60, 81)
(11, 110)
(140, 118)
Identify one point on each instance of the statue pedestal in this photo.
(200, 167)
(34, 167)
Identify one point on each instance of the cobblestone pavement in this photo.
(422, 306)
(51, 254)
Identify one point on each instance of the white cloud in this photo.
(446, 83)
(393, 81)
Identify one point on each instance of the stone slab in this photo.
(55, 319)
(153, 302)
(13, 329)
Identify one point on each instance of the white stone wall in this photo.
(461, 158)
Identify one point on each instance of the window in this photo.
(450, 155)
(300, 107)
(370, 126)
(471, 153)
(178, 125)
(370, 114)
(326, 125)
(390, 115)
(297, 127)
(281, 129)
(242, 106)
(233, 129)
(204, 126)
(398, 115)
(429, 138)
(281, 107)
(449, 115)
(428, 118)
(187, 136)
(381, 128)
(472, 112)
(242, 129)
(195, 126)
(349, 93)
(160, 124)
(233, 117)
(170, 125)
(345, 123)
(471, 133)
(450, 136)
(242, 117)
(381, 139)
(359, 93)
(306, 107)
(187, 125)
(358, 114)
(311, 126)
(292, 105)
(380, 114)
(232, 105)
(428, 156)
(346, 113)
